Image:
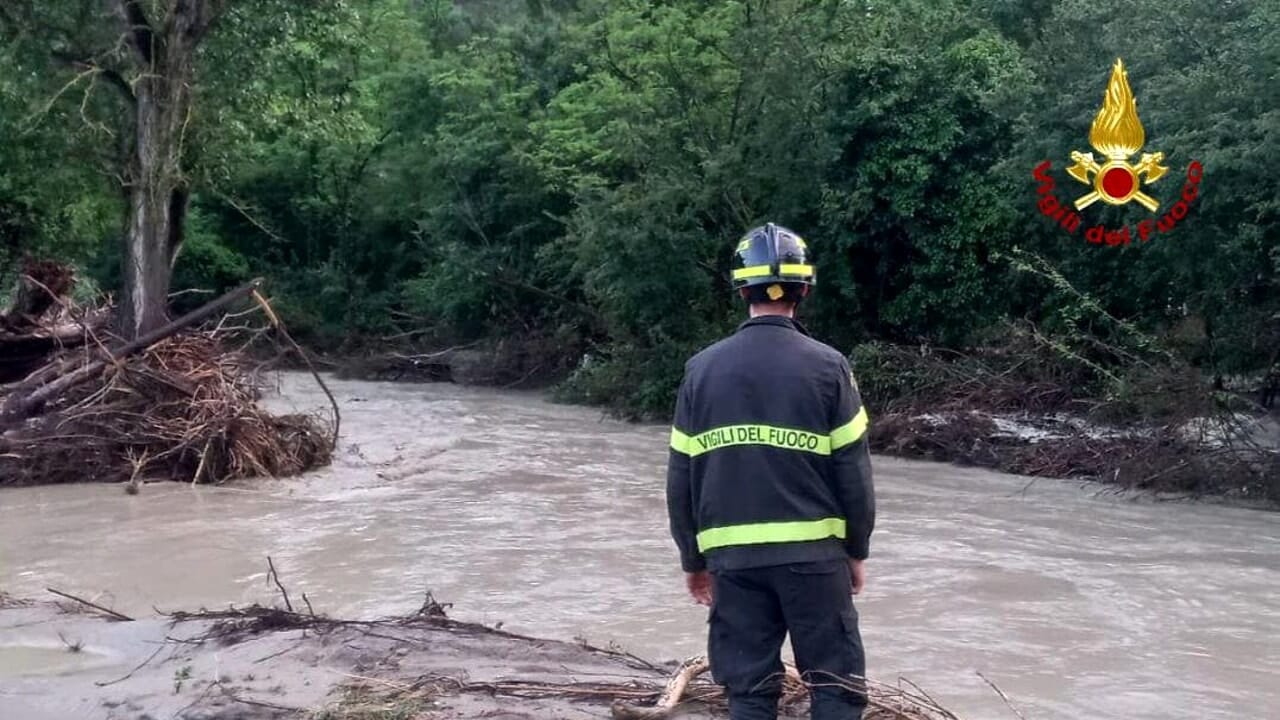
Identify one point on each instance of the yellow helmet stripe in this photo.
(764, 270)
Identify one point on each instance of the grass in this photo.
(360, 702)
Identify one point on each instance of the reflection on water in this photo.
(552, 520)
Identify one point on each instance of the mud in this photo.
(152, 669)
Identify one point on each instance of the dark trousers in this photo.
(752, 612)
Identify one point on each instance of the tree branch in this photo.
(138, 27)
(111, 75)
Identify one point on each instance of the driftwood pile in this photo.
(35, 325)
(79, 404)
(404, 666)
(1148, 423)
(688, 685)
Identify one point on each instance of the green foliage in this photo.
(206, 263)
(1201, 96)
(487, 170)
(634, 382)
(47, 204)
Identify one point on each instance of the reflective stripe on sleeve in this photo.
(763, 270)
(770, 532)
(851, 431)
(679, 441)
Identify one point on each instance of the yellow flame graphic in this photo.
(1116, 131)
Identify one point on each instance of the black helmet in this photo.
(773, 263)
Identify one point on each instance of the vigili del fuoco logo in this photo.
(1117, 135)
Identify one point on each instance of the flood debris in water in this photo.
(1032, 406)
(9, 601)
(178, 403)
(259, 662)
(521, 359)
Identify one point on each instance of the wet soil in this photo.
(153, 669)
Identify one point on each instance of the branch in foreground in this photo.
(106, 611)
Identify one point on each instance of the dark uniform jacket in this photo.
(769, 461)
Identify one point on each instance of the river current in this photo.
(551, 519)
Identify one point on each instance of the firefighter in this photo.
(769, 493)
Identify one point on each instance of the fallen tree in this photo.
(175, 403)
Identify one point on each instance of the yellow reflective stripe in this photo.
(763, 270)
(770, 532)
(779, 437)
(785, 438)
(851, 431)
(679, 441)
(750, 272)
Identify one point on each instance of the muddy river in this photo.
(551, 519)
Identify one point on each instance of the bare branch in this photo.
(34, 118)
(275, 577)
(247, 215)
(107, 611)
(111, 75)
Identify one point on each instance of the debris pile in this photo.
(82, 405)
(1034, 407)
(655, 692)
(263, 662)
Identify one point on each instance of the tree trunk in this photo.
(157, 188)
(157, 205)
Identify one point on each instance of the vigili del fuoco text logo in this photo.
(1117, 134)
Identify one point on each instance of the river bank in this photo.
(156, 667)
(1022, 408)
(69, 659)
(182, 405)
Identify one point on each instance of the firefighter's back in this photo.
(760, 414)
(769, 493)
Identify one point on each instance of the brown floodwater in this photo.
(551, 519)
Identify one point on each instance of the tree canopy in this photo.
(579, 170)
